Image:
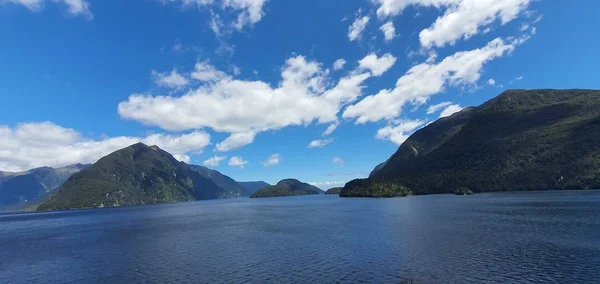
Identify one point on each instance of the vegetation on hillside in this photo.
(334, 190)
(134, 175)
(520, 140)
(287, 187)
(374, 188)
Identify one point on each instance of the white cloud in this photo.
(272, 160)
(170, 80)
(389, 31)
(377, 65)
(337, 160)
(339, 64)
(236, 70)
(214, 161)
(491, 82)
(74, 7)
(205, 72)
(319, 143)
(356, 29)
(426, 79)
(36, 144)
(236, 141)
(461, 19)
(519, 78)
(399, 133)
(327, 184)
(251, 11)
(303, 96)
(395, 7)
(330, 128)
(245, 13)
(450, 110)
(237, 162)
(435, 108)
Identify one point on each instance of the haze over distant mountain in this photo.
(221, 180)
(32, 186)
(520, 140)
(287, 187)
(138, 174)
(253, 186)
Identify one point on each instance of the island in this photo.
(287, 187)
(334, 190)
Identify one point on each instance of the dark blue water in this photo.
(541, 237)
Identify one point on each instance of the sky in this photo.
(318, 90)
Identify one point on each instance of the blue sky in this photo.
(248, 86)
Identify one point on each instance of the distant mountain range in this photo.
(253, 186)
(520, 140)
(20, 189)
(140, 174)
(287, 187)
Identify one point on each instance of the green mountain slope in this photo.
(138, 174)
(334, 190)
(520, 140)
(19, 189)
(287, 187)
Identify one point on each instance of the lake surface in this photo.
(523, 237)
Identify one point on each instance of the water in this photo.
(540, 237)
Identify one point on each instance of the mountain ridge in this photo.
(287, 187)
(26, 187)
(138, 174)
(519, 140)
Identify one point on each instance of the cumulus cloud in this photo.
(214, 161)
(450, 110)
(339, 64)
(320, 143)
(74, 7)
(244, 108)
(389, 31)
(399, 133)
(205, 72)
(491, 82)
(237, 162)
(429, 78)
(358, 26)
(236, 141)
(435, 108)
(36, 144)
(377, 65)
(272, 160)
(337, 160)
(462, 19)
(169, 80)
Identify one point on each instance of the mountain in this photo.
(138, 174)
(287, 187)
(334, 190)
(34, 185)
(253, 186)
(221, 180)
(377, 169)
(520, 140)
